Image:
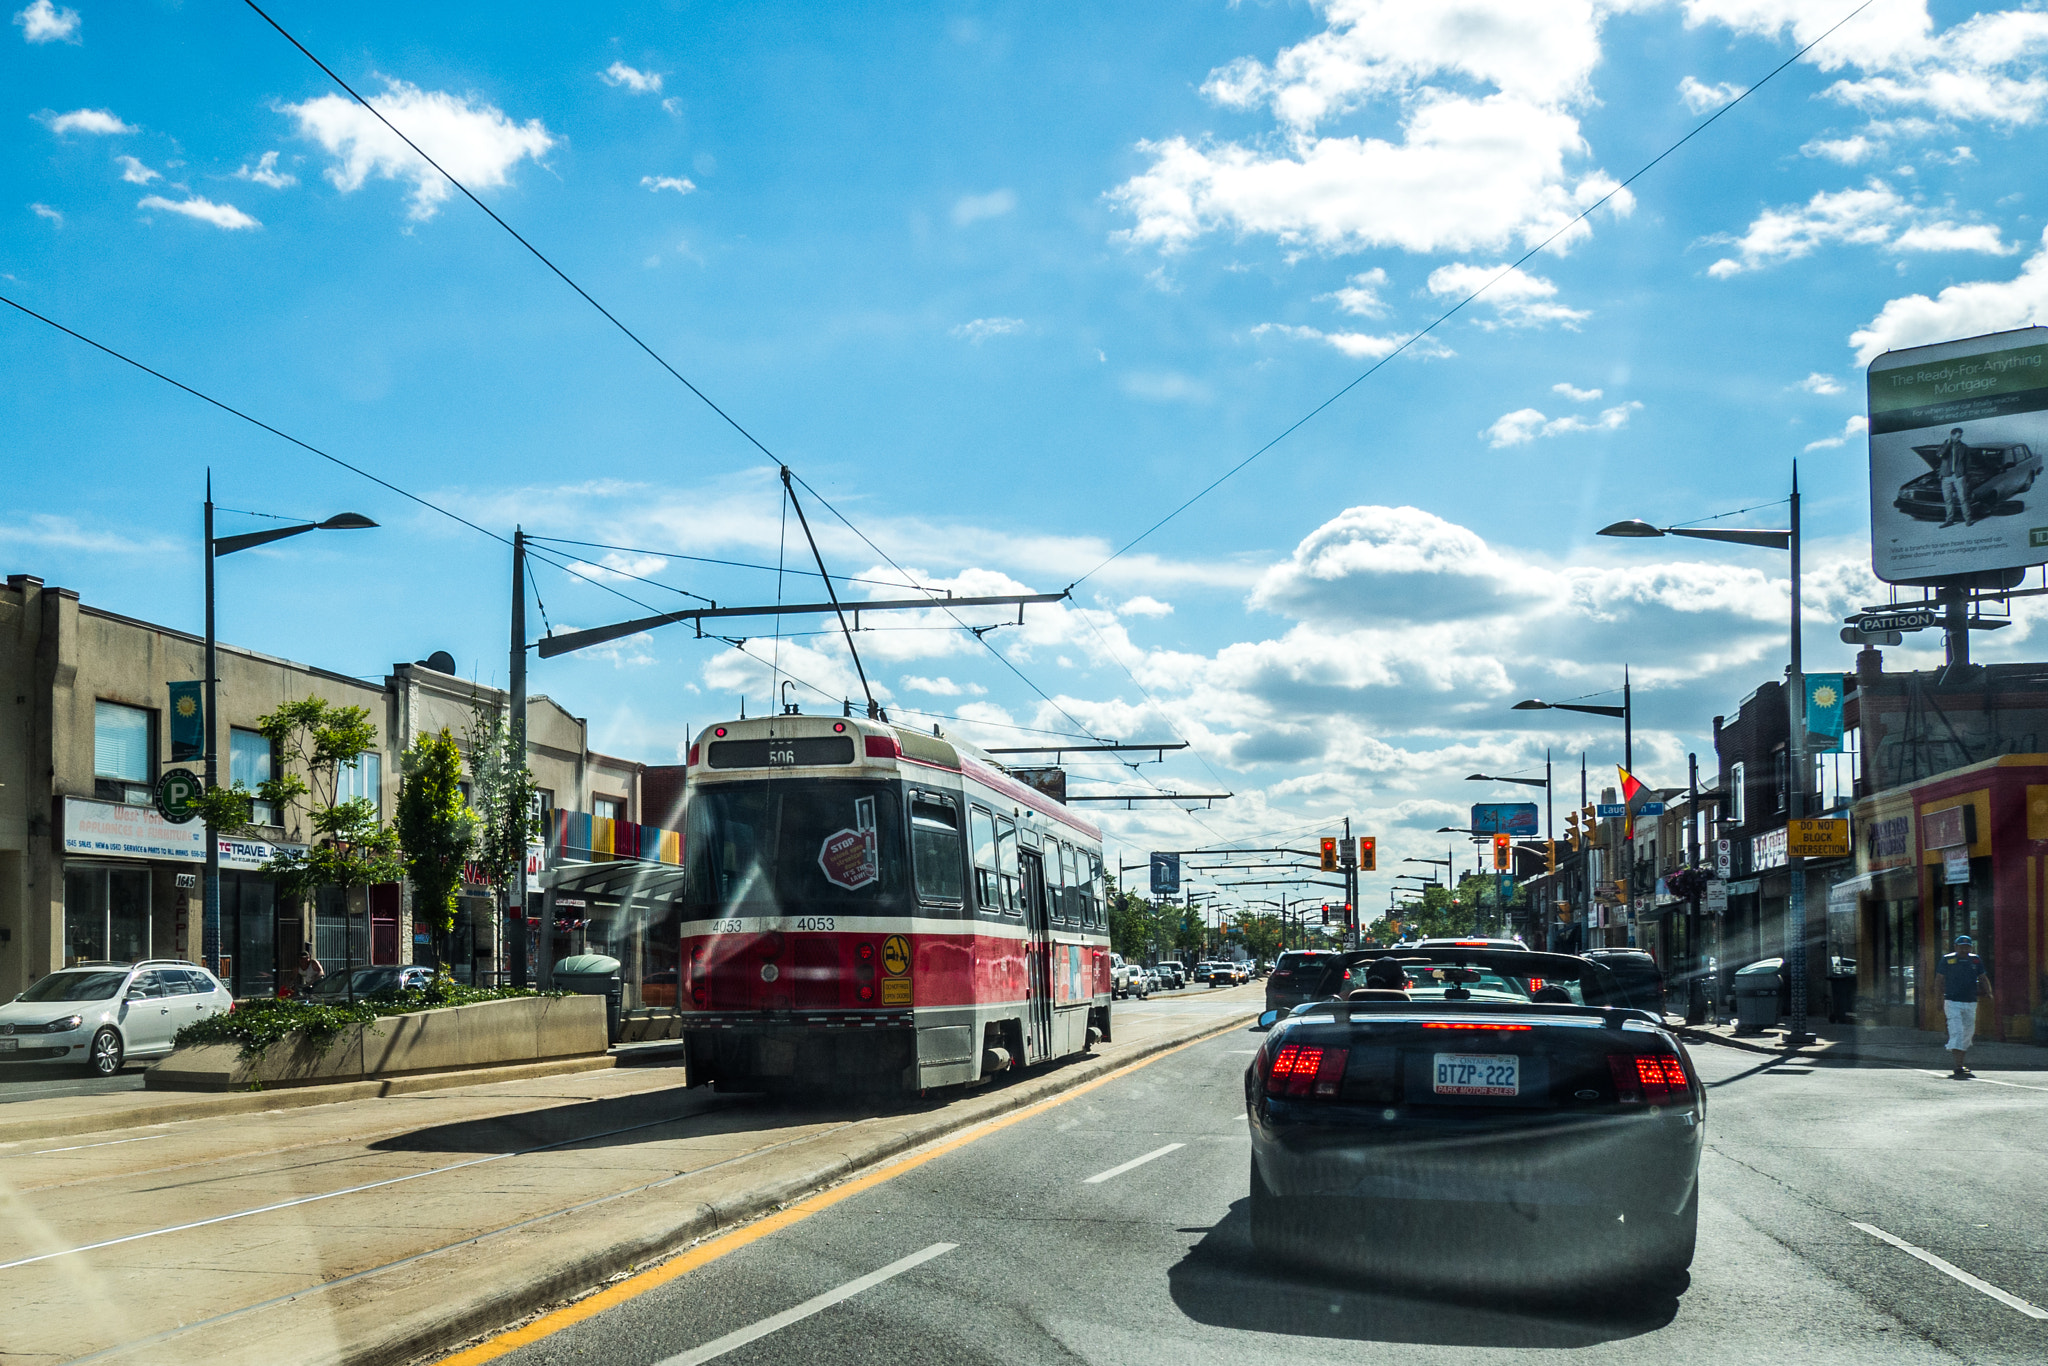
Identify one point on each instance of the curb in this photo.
(210, 1105)
(448, 1328)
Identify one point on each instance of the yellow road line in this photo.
(547, 1325)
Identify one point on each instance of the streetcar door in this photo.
(1037, 957)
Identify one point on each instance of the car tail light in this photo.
(1470, 1024)
(1535, 985)
(233, 1006)
(883, 747)
(1657, 1079)
(1306, 1069)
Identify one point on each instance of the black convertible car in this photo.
(1507, 1121)
(1999, 472)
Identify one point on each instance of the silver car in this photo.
(99, 1015)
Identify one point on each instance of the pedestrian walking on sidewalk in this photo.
(1964, 978)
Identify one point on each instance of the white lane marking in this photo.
(719, 1347)
(76, 1147)
(329, 1195)
(1101, 1177)
(1247, 1052)
(1984, 1287)
(1989, 1081)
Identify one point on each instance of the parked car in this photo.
(100, 1015)
(1172, 976)
(1548, 1147)
(1303, 975)
(1127, 978)
(372, 981)
(1200, 971)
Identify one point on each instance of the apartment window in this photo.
(1781, 778)
(249, 758)
(363, 777)
(121, 752)
(608, 808)
(1735, 809)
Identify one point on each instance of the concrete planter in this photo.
(488, 1034)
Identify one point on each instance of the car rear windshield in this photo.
(76, 986)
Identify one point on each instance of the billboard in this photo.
(1514, 818)
(1957, 435)
(1165, 874)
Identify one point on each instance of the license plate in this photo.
(1478, 1074)
(9, 1045)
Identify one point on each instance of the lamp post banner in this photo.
(1958, 431)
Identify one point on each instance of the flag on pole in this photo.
(1630, 790)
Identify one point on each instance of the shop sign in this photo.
(250, 855)
(116, 830)
(177, 795)
(1888, 841)
(1955, 867)
(1950, 827)
(1826, 837)
(1767, 850)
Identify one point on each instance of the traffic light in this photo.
(1621, 890)
(1368, 853)
(1503, 861)
(1572, 831)
(1550, 856)
(1329, 853)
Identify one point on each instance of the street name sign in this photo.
(1611, 811)
(1823, 837)
(1650, 809)
(1895, 619)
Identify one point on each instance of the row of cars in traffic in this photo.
(1128, 978)
(1470, 1112)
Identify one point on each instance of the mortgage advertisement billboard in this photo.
(1958, 431)
(1510, 818)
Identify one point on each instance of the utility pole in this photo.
(1351, 885)
(515, 914)
(1696, 990)
(209, 906)
(1795, 865)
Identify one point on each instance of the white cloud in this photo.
(1854, 427)
(1357, 345)
(45, 211)
(100, 122)
(1518, 299)
(1470, 170)
(43, 22)
(1699, 97)
(1964, 310)
(205, 210)
(1576, 395)
(135, 173)
(1142, 606)
(980, 330)
(265, 172)
(639, 82)
(1849, 151)
(1874, 215)
(44, 530)
(1165, 386)
(942, 686)
(1524, 425)
(1360, 295)
(658, 183)
(975, 207)
(1818, 383)
(476, 142)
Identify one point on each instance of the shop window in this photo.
(249, 760)
(121, 751)
(1781, 780)
(362, 777)
(106, 914)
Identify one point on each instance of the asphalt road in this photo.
(31, 1082)
(1041, 1242)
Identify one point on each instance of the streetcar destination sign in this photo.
(1901, 619)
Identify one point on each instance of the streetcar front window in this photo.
(789, 848)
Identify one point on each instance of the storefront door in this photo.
(106, 913)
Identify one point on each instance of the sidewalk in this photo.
(1889, 1045)
(372, 1232)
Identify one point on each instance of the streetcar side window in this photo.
(935, 848)
(988, 886)
(1055, 882)
(1006, 862)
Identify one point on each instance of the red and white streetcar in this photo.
(871, 907)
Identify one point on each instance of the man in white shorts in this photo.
(1963, 979)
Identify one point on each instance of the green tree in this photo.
(1260, 935)
(503, 794)
(349, 846)
(436, 830)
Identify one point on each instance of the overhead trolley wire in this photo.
(1455, 308)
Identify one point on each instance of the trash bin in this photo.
(595, 974)
(1756, 995)
(1841, 989)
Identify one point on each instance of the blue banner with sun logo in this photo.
(188, 721)
(1824, 713)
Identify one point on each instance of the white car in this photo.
(99, 1015)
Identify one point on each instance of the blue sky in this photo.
(1006, 286)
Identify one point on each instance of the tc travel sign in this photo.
(1957, 435)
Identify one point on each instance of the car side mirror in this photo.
(1269, 1019)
